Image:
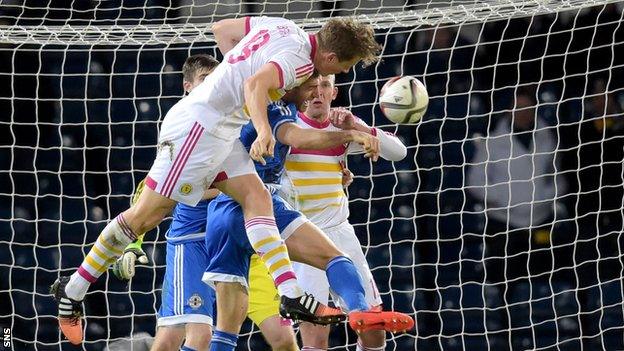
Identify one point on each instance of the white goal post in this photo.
(501, 230)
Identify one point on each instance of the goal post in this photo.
(499, 230)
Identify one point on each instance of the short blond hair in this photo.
(348, 38)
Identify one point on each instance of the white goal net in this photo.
(501, 230)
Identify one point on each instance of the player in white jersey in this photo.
(312, 184)
(262, 57)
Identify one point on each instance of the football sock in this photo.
(266, 241)
(345, 281)
(186, 348)
(223, 341)
(109, 245)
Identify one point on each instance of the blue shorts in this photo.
(228, 248)
(185, 298)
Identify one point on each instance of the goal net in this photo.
(501, 229)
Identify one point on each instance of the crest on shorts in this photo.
(186, 189)
(195, 301)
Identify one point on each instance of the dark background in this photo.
(78, 128)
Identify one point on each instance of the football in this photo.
(404, 99)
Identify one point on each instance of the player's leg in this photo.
(168, 338)
(313, 280)
(263, 309)
(232, 307)
(228, 251)
(186, 301)
(243, 185)
(345, 239)
(314, 337)
(309, 245)
(187, 157)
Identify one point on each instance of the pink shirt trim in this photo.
(280, 73)
(247, 25)
(335, 151)
(313, 44)
(314, 123)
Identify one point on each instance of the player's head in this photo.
(195, 69)
(318, 108)
(304, 93)
(343, 42)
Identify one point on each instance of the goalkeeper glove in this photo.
(123, 268)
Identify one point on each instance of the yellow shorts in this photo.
(263, 297)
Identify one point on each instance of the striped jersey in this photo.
(313, 180)
(312, 183)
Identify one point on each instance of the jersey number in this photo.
(261, 38)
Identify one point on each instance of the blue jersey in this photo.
(188, 224)
(279, 113)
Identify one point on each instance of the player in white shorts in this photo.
(312, 184)
(263, 56)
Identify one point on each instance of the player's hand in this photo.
(262, 146)
(370, 144)
(347, 177)
(123, 268)
(342, 118)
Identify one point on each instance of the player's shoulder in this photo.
(282, 109)
(268, 21)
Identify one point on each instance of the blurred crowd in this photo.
(502, 227)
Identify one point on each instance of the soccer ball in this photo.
(404, 99)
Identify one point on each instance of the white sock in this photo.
(109, 245)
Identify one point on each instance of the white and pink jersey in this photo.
(218, 102)
(313, 180)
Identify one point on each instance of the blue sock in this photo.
(186, 348)
(345, 281)
(222, 341)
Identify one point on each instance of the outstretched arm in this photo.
(229, 32)
(314, 139)
(390, 147)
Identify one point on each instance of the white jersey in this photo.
(313, 179)
(312, 182)
(218, 102)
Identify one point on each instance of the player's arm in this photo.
(229, 32)
(390, 147)
(314, 139)
(256, 89)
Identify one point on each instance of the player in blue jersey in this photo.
(229, 249)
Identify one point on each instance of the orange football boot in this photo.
(69, 312)
(375, 319)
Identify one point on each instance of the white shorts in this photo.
(189, 160)
(314, 280)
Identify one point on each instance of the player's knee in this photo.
(260, 198)
(330, 254)
(168, 338)
(198, 340)
(142, 219)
